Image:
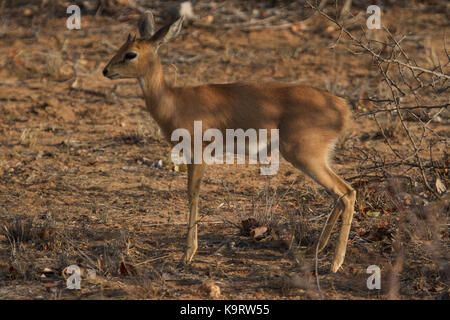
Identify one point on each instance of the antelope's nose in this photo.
(105, 72)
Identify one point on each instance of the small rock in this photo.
(157, 164)
(437, 119)
(208, 19)
(91, 274)
(186, 10)
(146, 161)
(169, 277)
(27, 12)
(210, 289)
(364, 137)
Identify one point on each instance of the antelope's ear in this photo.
(167, 32)
(146, 25)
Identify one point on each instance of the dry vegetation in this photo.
(81, 182)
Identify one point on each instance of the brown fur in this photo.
(309, 121)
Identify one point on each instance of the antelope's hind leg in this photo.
(313, 162)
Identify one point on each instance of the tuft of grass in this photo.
(392, 128)
(28, 138)
(22, 229)
(269, 209)
(55, 66)
(112, 254)
(144, 288)
(131, 137)
(345, 141)
(18, 231)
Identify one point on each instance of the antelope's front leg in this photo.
(195, 174)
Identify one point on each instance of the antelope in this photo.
(309, 121)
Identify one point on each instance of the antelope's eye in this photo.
(130, 55)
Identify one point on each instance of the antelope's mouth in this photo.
(113, 76)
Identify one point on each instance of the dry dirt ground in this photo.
(77, 185)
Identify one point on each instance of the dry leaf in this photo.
(181, 168)
(248, 225)
(440, 186)
(373, 214)
(50, 284)
(258, 233)
(126, 269)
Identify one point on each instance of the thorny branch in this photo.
(409, 85)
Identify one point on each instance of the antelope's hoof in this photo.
(337, 263)
(187, 257)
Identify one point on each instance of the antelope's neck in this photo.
(157, 94)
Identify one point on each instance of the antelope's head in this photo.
(137, 57)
